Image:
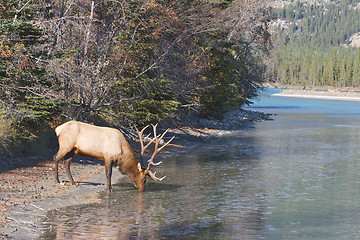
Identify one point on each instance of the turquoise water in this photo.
(296, 177)
(313, 149)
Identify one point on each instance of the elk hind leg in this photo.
(68, 172)
(57, 158)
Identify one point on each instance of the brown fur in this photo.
(107, 144)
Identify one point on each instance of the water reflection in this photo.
(209, 195)
(292, 178)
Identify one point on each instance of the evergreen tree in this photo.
(321, 31)
(24, 83)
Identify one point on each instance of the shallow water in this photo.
(296, 177)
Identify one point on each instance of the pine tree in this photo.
(322, 28)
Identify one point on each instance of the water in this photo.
(296, 177)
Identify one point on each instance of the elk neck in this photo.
(128, 163)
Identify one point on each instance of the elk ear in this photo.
(139, 167)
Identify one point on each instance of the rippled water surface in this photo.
(296, 177)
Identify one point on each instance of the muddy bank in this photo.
(28, 193)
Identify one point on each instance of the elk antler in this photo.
(143, 148)
(157, 140)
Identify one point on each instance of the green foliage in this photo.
(227, 75)
(39, 109)
(126, 62)
(158, 103)
(224, 3)
(8, 8)
(312, 49)
(19, 31)
(149, 111)
(23, 84)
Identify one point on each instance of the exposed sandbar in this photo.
(331, 95)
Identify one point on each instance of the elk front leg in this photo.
(108, 171)
(67, 163)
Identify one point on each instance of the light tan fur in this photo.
(104, 143)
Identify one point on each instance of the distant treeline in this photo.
(313, 44)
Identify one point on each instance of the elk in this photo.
(110, 146)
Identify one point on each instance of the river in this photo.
(296, 177)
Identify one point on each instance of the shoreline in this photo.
(27, 194)
(317, 92)
(322, 94)
(343, 96)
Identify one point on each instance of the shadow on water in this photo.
(151, 187)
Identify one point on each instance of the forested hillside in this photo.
(126, 62)
(313, 43)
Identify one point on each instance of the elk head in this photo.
(144, 170)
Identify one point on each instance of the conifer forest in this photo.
(314, 43)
